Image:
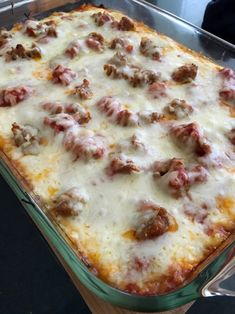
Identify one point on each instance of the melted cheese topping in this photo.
(103, 229)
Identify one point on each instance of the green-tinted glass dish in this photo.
(206, 280)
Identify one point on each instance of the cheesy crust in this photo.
(127, 138)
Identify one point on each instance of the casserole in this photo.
(158, 304)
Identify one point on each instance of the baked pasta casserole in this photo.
(128, 140)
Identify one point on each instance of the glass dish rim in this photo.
(219, 40)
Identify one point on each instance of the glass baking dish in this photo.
(219, 266)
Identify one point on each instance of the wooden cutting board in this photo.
(98, 306)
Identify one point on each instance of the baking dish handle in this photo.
(213, 287)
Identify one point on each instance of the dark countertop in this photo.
(31, 278)
(32, 281)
